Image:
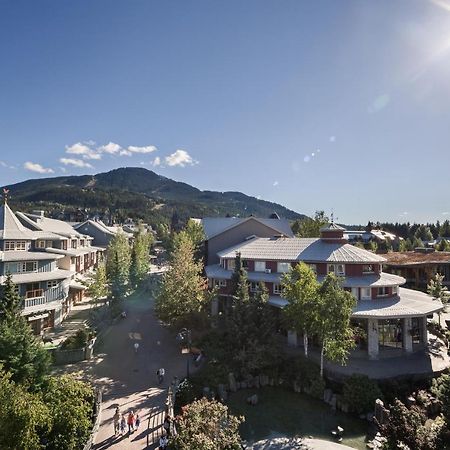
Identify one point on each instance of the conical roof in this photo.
(332, 227)
(10, 226)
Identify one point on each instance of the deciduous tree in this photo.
(140, 256)
(183, 290)
(300, 288)
(438, 291)
(118, 265)
(332, 321)
(207, 425)
(310, 227)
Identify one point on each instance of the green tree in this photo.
(423, 233)
(372, 246)
(97, 283)
(183, 291)
(441, 389)
(332, 321)
(118, 265)
(405, 427)
(207, 425)
(239, 282)
(197, 235)
(300, 288)
(417, 243)
(10, 300)
(251, 332)
(21, 353)
(443, 246)
(438, 291)
(71, 406)
(23, 416)
(402, 245)
(310, 227)
(444, 229)
(140, 256)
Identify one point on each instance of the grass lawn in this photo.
(281, 412)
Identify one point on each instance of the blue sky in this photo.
(314, 104)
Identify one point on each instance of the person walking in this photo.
(136, 347)
(160, 373)
(163, 442)
(123, 424)
(116, 420)
(137, 421)
(130, 422)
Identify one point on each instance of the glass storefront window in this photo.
(390, 333)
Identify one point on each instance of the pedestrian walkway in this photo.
(129, 379)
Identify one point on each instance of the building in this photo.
(99, 232)
(222, 232)
(75, 250)
(419, 267)
(374, 235)
(40, 281)
(393, 318)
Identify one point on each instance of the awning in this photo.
(37, 317)
(77, 286)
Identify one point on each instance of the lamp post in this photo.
(184, 339)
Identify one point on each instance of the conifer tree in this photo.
(239, 282)
(438, 291)
(10, 299)
(20, 352)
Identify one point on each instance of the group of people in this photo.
(169, 430)
(121, 421)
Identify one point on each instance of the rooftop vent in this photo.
(277, 236)
(253, 236)
(274, 215)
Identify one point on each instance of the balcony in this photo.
(40, 297)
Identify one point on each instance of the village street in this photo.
(129, 379)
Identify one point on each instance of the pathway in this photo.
(129, 379)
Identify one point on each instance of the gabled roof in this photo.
(300, 249)
(96, 224)
(50, 225)
(10, 226)
(213, 226)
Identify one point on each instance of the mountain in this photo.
(138, 193)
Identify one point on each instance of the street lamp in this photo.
(184, 339)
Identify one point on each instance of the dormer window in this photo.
(40, 244)
(74, 243)
(368, 268)
(15, 245)
(231, 264)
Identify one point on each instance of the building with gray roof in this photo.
(393, 319)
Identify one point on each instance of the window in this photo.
(40, 244)
(81, 242)
(367, 268)
(277, 289)
(231, 264)
(355, 293)
(383, 291)
(220, 283)
(244, 264)
(331, 268)
(260, 266)
(33, 290)
(253, 286)
(64, 245)
(74, 243)
(394, 290)
(52, 283)
(340, 269)
(366, 294)
(28, 266)
(15, 245)
(283, 267)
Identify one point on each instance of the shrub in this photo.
(317, 387)
(360, 393)
(79, 340)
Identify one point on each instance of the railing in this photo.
(29, 302)
(41, 297)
